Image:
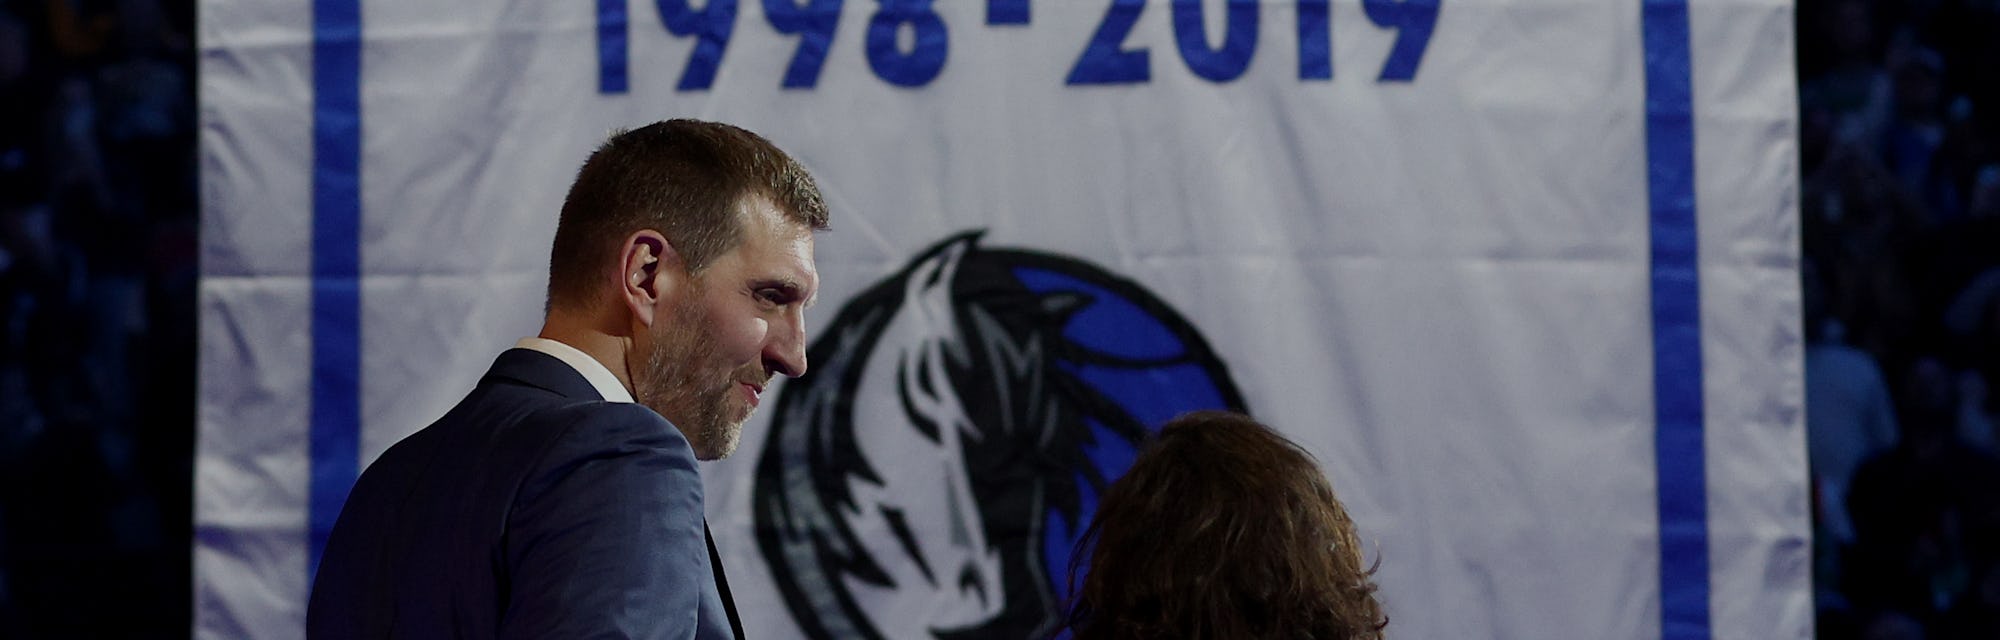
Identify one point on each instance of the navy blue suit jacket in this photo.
(534, 509)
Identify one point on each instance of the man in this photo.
(548, 504)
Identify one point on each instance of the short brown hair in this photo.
(1222, 529)
(683, 178)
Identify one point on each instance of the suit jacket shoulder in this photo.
(531, 509)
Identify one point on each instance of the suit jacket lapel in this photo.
(722, 583)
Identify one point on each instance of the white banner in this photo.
(1521, 273)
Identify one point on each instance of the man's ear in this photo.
(649, 270)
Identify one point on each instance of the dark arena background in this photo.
(1450, 247)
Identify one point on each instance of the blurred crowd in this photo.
(98, 263)
(1899, 104)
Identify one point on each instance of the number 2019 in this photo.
(1105, 61)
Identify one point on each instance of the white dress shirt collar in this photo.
(607, 385)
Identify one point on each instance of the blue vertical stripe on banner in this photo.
(335, 430)
(612, 48)
(1676, 289)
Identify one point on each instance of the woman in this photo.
(1222, 529)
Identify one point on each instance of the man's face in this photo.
(741, 321)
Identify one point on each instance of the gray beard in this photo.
(677, 386)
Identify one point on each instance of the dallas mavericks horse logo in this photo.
(929, 476)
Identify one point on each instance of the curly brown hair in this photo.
(1222, 529)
